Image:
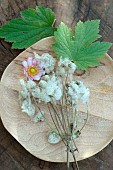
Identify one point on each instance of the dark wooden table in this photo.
(12, 155)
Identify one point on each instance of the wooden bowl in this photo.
(33, 137)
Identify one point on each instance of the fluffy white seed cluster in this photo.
(30, 85)
(54, 138)
(47, 61)
(27, 106)
(24, 93)
(49, 88)
(77, 90)
(39, 117)
(25, 88)
(65, 67)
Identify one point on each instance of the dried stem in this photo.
(68, 163)
(47, 122)
(56, 125)
(62, 104)
(63, 126)
(85, 121)
(67, 111)
(57, 120)
(63, 117)
(75, 161)
(53, 106)
(76, 149)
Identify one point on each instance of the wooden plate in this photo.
(33, 137)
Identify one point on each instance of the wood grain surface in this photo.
(13, 155)
(33, 137)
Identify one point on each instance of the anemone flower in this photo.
(33, 69)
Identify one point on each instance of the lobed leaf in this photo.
(81, 47)
(32, 27)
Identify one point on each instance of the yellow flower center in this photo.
(32, 70)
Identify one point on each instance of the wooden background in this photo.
(12, 155)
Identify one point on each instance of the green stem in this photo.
(53, 22)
